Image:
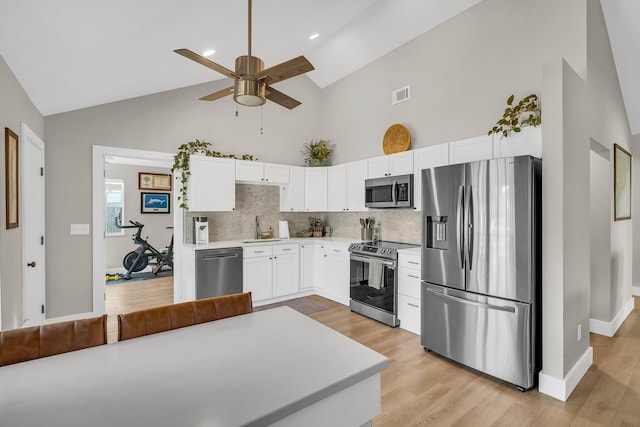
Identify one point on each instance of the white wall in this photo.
(155, 225)
(15, 107)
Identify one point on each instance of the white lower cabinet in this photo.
(270, 271)
(409, 291)
(307, 261)
(335, 271)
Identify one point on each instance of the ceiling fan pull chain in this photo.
(236, 110)
(261, 120)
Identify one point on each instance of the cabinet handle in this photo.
(275, 257)
(336, 250)
(415, 277)
(286, 250)
(413, 305)
(258, 252)
(413, 262)
(267, 179)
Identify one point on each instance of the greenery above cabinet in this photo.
(181, 163)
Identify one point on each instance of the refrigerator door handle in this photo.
(460, 225)
(469, 219)
(474, 303)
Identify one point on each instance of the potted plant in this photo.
(317, 153)
(181, 163)
(525, 113)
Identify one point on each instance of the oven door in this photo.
(373, 282)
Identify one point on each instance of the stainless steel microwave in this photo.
(389, 192)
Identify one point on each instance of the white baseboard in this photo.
(561, 389)
(635, 290)
(609, 329)
(70, 317)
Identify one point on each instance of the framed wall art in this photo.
(154, 181)
(11, 152)
(155, 202)
(621, 183)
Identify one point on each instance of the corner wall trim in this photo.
(608, 329)
(561, 389)
(635, 290)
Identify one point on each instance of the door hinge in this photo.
(42, 308)
(41, 240)
(41, 171)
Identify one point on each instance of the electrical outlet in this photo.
(579, 332)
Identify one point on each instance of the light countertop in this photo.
(275, 241)
(253, 369)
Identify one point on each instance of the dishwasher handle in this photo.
(220, 256)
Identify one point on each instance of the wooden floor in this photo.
(423, 389)
(132, 296)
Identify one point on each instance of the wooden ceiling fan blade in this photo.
(280, 98)
(207, 63)
(217, 95)
(285, 70)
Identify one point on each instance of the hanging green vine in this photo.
(181, 163)
(525, 113)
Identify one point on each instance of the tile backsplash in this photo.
(398, 225)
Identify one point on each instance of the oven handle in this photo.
(365, 259)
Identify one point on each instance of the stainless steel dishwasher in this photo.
(218, 272)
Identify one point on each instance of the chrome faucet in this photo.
(257, 227)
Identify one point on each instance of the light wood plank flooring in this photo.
(423, 389)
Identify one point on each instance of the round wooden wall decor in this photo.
(396, 139)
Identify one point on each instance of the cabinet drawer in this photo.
(409, 313)
(255, 251)
(290, 248)
(336, 250)
(409, 282)
(409, 261)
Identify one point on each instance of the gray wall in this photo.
(15, 107)
(159, 122)
(155, 225)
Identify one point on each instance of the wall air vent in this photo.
(400, 95)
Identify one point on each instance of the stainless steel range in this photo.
(374, 280)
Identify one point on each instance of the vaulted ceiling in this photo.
(69, 54)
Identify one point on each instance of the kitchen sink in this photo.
(259, 240)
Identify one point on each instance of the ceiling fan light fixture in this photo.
(250, 93)
(208, 52)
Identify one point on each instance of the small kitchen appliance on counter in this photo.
(200, 230)
(374, 280)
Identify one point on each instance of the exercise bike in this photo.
(138, 259)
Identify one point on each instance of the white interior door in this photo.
(32, 217)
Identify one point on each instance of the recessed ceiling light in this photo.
(314, 36)
(208, 52)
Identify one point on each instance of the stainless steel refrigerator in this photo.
(481, 275)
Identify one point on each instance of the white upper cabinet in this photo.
(471, 149)
(315, 189)
(346, 187)
(526, 142)
(392, 164)
(425, 158)
(357, 172)
(337, 188)
(261, 173)
(292, 194)
(212, 184)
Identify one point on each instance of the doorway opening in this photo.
(136, 297)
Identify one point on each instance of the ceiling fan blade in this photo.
(286, 70)
(281, 99)
(207, 63)
(217, 95)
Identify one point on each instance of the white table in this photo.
(270, 367)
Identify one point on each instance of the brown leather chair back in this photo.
(173, 316)
(19, 345)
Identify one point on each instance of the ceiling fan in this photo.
(252, 85)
